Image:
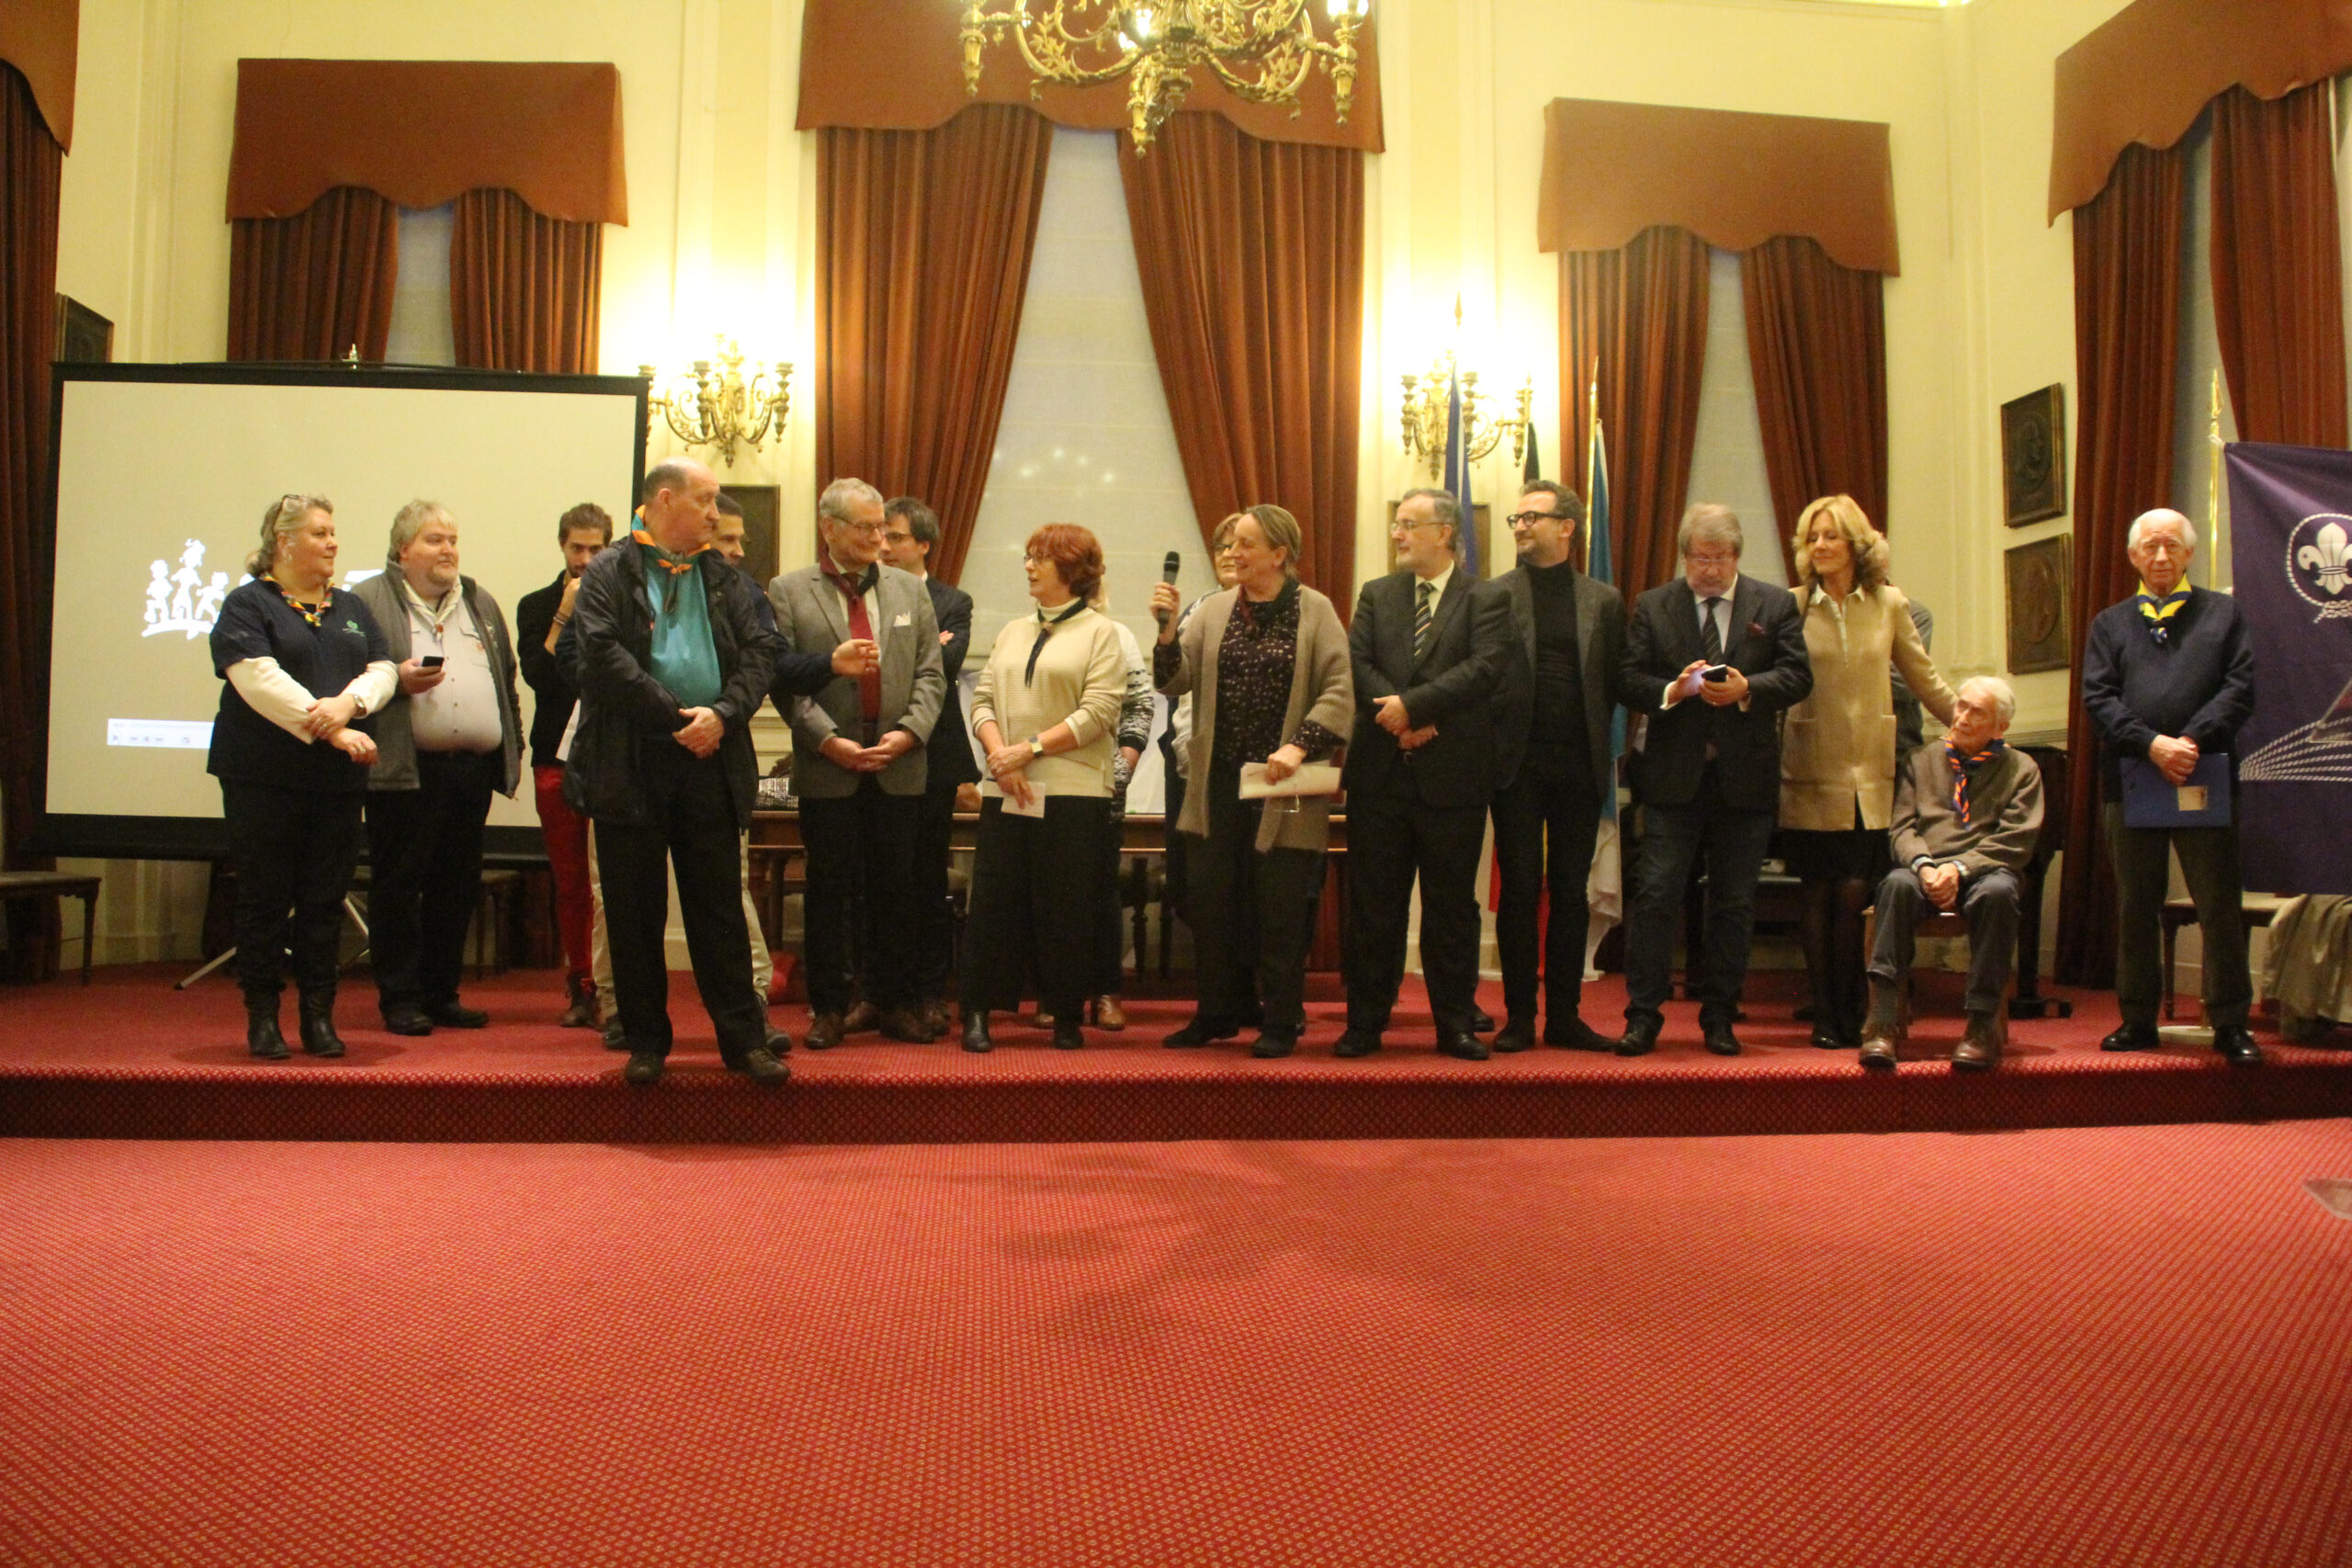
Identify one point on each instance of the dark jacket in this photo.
(1452, 686)
(951, 741)
(623, 707)
(395, 766)
(1766, 643)
(2198, 682)
(1600, 648)
(553, 693)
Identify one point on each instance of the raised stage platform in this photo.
(129, 1057)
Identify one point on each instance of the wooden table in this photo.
(15, 884)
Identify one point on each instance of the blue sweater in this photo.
(2198, 682)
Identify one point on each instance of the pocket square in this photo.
(1755, 628)
(904, 620)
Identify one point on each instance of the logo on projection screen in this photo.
(188, 601)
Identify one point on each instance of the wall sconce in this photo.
(1426, 405)
(715, 406)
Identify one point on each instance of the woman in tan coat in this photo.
(1838, 754)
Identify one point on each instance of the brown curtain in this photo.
(524, 290)
(1817, 340)
(1642, 312)
(1252, 260)
(2278, 271)
(923, 240)
(2127, 332)
(31, 170)
(318, 284)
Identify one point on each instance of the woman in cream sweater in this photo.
(1838, 753)
(1046, 712)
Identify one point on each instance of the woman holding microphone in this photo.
(1046, 711)
(302, 661)
(1267, 664)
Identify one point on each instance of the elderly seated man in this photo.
(1966, 817)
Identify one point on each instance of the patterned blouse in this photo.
(1255, 663)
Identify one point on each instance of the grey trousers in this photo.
(2209, 861)
(1990, 900)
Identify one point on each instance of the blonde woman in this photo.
(1838, 757)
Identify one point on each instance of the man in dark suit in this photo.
(1708, 771)
(1429, 648)
(910, 530)
(1552, 764)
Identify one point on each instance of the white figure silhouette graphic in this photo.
(159, 594)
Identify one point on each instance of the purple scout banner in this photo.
(2290, 520)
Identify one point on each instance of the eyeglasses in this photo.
(1529, 519)
(1712, 561)
(871, 529)
(898, 538)
(1401, 527)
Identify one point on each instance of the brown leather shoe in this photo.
(1882, 1030)
(1979, 1048)
(824, 1031)
(1109, 1014)
(906, 1025)
(938, 1015)
(861, 1018)
(579, 1008)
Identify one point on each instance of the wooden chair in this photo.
(2260, 909)
(16, 886)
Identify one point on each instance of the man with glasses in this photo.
(1429, 648)
(2168, 680)
(859, 753)
(1712, 659)
(1552, 764)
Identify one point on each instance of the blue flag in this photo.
(1457, 473)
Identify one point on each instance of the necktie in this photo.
(861, 627)
(1711, 640)
(1421, 620)
(1045, 632)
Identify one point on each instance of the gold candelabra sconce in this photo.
(1426, 405)
(1262, 51)
(714, 405)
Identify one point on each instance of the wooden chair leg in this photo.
(2171, 938)
(89, 925)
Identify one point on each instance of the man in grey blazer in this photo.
(858, 760)
(1553, 764)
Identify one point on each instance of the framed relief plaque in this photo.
(2041, 575)
(2033, 457)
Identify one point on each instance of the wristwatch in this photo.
(1037, 746)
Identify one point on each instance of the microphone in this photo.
(1168, 570)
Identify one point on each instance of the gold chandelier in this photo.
(1262, 49)
(717, 407)
(1426, 411)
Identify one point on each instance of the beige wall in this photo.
(722, 197)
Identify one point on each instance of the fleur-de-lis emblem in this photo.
(2329, 554)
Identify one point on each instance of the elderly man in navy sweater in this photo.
(2168, 678)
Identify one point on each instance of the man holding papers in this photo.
(2168, 680)
(1431, 649)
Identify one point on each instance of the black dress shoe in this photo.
(1719, 1039)
(1357, 1042)
(1827, 1036)
(976, 1032)
(1640, 1037)
(1272, 1043)
(644, 1067)
(612, 1037)
(408, 1020)
(760, 1065)
(1516, 1035)
(824, 1031)
(1200, 1032)
(779, 1042)
(1481, 1021)
(263, 1038)
(2237, 1046)
(1068, 1035)
(2131, 1037)
(319, 1038)
(1572, 1034)
(1464, 1047)
(457, 1015)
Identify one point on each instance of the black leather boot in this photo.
(318, 1037)
(1818, 930)
(976, 1032)
(262, 1036)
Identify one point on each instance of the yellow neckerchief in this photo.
(301, 609)
(2157, 610)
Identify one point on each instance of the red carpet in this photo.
(129, 1057)
(2076, 1349)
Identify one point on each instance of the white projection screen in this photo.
(162, 474)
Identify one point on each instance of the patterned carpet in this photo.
(2087, 1347)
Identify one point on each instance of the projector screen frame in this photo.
(123, 837)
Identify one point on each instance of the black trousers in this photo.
(1545, 827)
(292, 850)
(1393, 839)
(689, 826)
(2209, 864)
(1671, 835)
(862, 879)
(1033, 910)
(425, 857)
(935, 915)
(1252, 915)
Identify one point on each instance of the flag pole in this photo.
(2213, 487)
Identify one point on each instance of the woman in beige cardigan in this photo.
(1046, 712)
(1838, 753)
(1267, 664)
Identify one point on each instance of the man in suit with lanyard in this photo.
(1429, 648)
(858, 751)
(1553, 764)
(910, 531)
(1708, 771)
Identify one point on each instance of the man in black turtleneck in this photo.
(1552, 764)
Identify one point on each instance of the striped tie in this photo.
(1711, 639)
(1421, 621)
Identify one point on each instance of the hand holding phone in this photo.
(430, 662)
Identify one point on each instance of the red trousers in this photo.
(567, 835)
